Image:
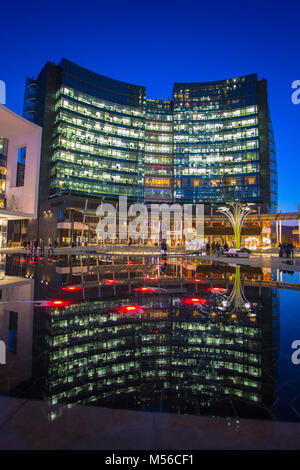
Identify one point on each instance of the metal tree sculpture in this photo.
(237, 212)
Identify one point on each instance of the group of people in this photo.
(286, 250)
(215, 248)
(37, 247)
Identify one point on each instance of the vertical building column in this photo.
(280, 231)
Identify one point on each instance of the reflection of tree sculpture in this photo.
(237, 301)
(237, 212)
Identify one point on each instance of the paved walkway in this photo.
(25, 424)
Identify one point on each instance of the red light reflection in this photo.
(130, 309)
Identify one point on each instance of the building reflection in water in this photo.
(182, 347)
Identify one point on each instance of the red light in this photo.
(130, 309)
(57, 303)
(151, 279)
(156, 332)
(72, 288)
(144, 289)
(130, 262)
(194, 300)
(110, 281)
(32, 262)
(217, 290)
(197, 280)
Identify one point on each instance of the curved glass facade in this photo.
(213, 143)
(98, 146)
(216, 141)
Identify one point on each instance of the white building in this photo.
(20, 146)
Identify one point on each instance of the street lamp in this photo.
(237, 212)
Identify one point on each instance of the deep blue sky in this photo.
(155, 43)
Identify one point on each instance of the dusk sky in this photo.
(158, 43)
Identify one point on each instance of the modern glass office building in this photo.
(102, 138)
(223, 143)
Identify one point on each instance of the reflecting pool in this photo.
(178, 335)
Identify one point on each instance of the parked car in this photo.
(237, 253)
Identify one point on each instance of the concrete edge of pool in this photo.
(25, 425)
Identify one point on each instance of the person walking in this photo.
(42, 246)
(50, 248)
(35, 247)
(292, 250)
(163, 248)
